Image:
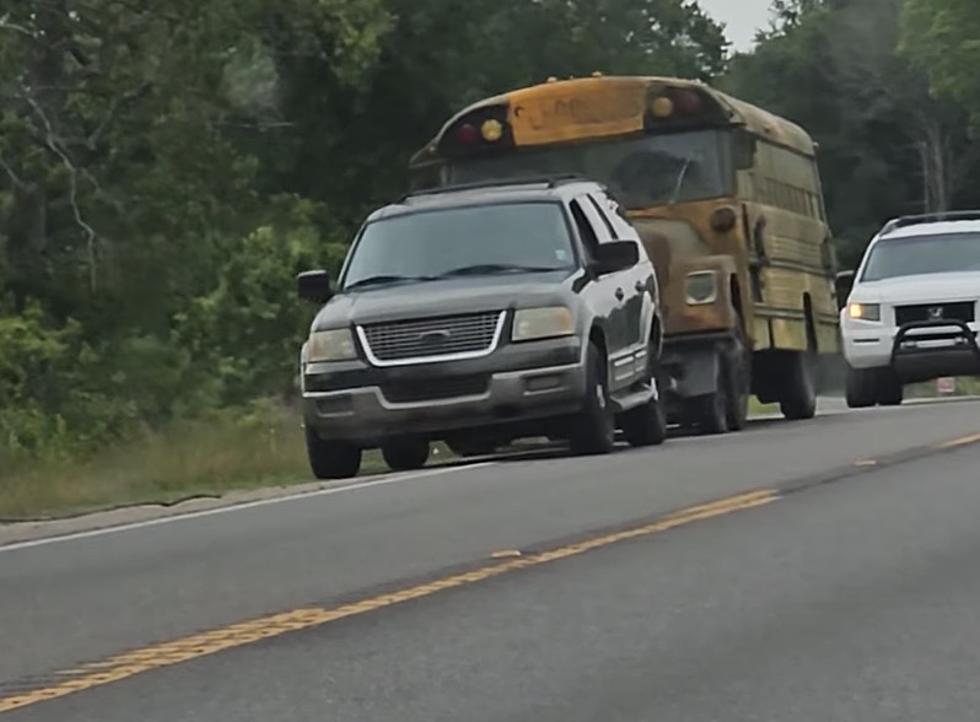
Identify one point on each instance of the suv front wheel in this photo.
(862, 388)
(331, 459)
(405, 454)
(594, 429)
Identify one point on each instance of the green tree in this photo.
(943, 38)
(127, 185)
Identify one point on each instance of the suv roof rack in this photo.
(906, 221)
(551, 181)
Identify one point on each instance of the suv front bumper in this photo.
(917, 351)
(356, 402)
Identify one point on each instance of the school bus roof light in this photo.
(492, 130)
(467, 134)
(662, 107)
(688, 102)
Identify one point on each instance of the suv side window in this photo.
(601, 226)
(614, 212)
(586, 230)
(604, 216)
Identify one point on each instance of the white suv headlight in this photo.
(864, 311)
(334, 345)
(537, 323)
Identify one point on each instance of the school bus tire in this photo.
(738, 367)
(799, 398)
(710, 411)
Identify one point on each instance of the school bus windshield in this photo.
(641, 172)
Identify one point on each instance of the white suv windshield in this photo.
(923, 254)
(476, 240)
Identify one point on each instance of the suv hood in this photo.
(469, 294)
(960, 286)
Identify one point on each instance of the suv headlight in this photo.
(537, 323)
(701, 288)
(865, 311)
(334, 345)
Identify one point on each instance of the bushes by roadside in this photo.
(255, 445)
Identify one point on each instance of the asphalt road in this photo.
(847, 588)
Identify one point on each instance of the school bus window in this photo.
(641, 172)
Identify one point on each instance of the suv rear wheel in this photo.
(331, 459)
(405, 454)
(594, 429)
(646, 425)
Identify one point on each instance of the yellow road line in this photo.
(962, 441)
(157, 656)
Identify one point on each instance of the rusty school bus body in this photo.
(728, 200)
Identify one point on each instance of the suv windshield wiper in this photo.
(488, 268)
(381, 280)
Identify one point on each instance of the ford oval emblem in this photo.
(434, 338)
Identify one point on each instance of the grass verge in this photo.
(757, 408)
(257, 448)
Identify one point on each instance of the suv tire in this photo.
(891, 391)
(862, 388)
(646, 425)
(405, 454)
(594, 429)
(799, 398)
(331, 459)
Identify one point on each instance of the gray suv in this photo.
(480, 314)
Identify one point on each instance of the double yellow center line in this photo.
(156, 656)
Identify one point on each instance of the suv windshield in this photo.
(641, 172)
(923, 254)
(476, 240)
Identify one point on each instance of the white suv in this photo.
(913, 309)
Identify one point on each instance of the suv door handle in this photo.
(620, 295)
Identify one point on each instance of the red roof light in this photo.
(468, 134)
(688, 102)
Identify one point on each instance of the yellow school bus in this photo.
(728, 200)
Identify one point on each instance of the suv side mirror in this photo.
(314, 286)
(616, 256)
(844, 283)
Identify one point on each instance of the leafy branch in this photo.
(53, 144)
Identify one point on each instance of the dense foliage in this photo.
(889, 144)
(166, 167)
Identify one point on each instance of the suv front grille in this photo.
(959, 311)
(407, 392)
(445, 337)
